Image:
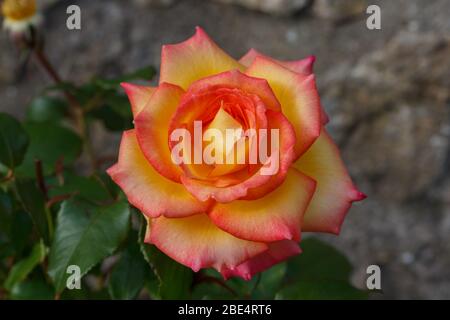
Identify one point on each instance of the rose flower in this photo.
(235, 216)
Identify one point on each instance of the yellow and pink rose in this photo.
(232, 217)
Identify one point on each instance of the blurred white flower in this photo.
(19, 15)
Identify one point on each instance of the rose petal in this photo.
(259, 183)
(196, 103)
(222, 122)
(146, 189)
(197, 243)
(298, 97)
(194, 59)
(204, 107)
(335, 191)
(203, 190)
(277, 216)
(139, 96)
(277, 252)
(324, 119)
(287, 155)
(237, 79)
(303, 66)
(152, 129)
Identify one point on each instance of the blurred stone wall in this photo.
(386, 91)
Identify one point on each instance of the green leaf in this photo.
(85, 293)
(3, 172)
(84, 236)
(318, 261)
(91, 188)
(320, 272)
(120, 104)
(212, 291)
(15, 230)
(20, 231)
(112, 120)
(6, 218)
(175, 280)
(6, 213)
(128, 276)
(146, 73)
(151, 283)
(34, 289)
(85, 93)
(209, 286)
(46, 109)
(23, 268)
(13, 141)
(33, 203)
(50, 142)
(105, 180)
(62, 87)
(115, 113)
(270, 282)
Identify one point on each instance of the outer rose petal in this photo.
(303, 66)
(324, 119)
(277, 252)
(152, 129)
(146, 189)
(197, 243)
(277, 216)
(335, 191)
(194, 59)
(139, 96)
(298, 97)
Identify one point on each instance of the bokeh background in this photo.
(387, 92)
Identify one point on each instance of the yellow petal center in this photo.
(229, 129)
(18, 9)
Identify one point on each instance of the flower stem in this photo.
(43, 187)
(40, 178)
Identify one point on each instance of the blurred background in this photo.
(387, 93)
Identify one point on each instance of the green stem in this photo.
(48, 216)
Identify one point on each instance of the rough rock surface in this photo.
(160, 3)
(277, 7)
(43, 4)
(387, 92)
(338, 10)
(280, 7)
